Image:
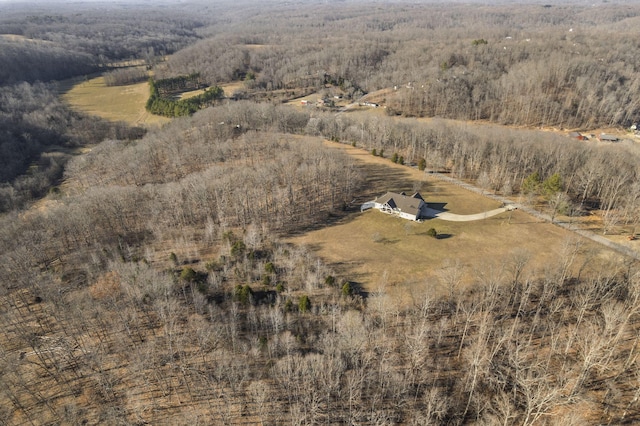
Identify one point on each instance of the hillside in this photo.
(217, 269)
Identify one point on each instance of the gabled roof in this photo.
(402, 202)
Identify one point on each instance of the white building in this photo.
(407, 207)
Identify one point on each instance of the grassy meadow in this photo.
(380, 251)
(116, 103)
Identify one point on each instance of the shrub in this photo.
(394, 157)
(304, 304)
(347, 290)
(531, 184)
(552, 185)
(269, 268)
(374, 152)
(432, 232)
(288, 305)
(262, 342)
(229, 236)
(173, 258)
(266, 280)
(243, 294)
(213, 265)
(330, 280)
(238, 248)
(188, 275)
(422, 164)
(202, 286)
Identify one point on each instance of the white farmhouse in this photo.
(407, 207)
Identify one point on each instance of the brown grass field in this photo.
(117, 103)
(381, 251)
(229, 88)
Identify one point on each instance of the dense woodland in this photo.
(52, 41)
(151, 284)
(570, 66)
(38, 134)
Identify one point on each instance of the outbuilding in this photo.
(607, 138)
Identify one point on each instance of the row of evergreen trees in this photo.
(169, 107)
(180, 83)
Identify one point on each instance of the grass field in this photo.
(117, 103)
(376, 249)
(229, 88)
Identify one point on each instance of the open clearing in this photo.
(230, 88)
(378, 250)
(117, 103)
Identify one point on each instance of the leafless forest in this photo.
(144, 274)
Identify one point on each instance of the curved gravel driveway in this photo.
(511, 205)
(452, 217)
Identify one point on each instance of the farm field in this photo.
(382, 251)
(117, 103)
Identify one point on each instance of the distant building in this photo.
(577, 135)
(607, 138)
(326, 102)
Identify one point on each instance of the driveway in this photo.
(452, 217)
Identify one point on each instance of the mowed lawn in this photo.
(116, 103)
(378, 251)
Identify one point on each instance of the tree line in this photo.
(504, 160)
(570, 67)
(63, 41)
(182, 83)
(163, 104)
(125, 76)
(39, 134)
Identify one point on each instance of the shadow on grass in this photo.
(324, 220)
(386, 240)
(358, 289)
(437, 206)
(381, 178)
(437, 237)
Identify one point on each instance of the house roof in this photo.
(605, 137)
(404, 203)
